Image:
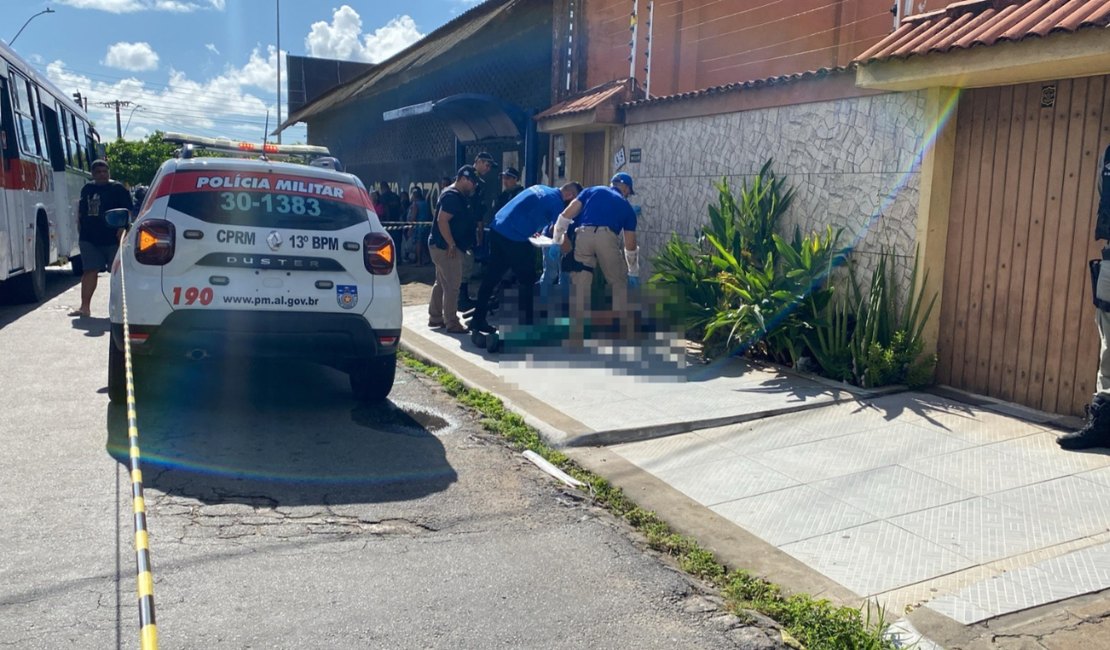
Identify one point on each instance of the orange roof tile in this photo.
(610, 91)
(962, 25)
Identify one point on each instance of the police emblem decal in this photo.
(274, 240)
(346, 295)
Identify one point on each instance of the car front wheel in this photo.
(372, 380)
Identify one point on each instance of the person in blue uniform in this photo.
(606, 238)
(521, 218)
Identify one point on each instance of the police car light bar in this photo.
(245, 148)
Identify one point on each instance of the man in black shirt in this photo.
(392, 203)
(510, 187)
(97, 240)
(452, 235)
(480, 204)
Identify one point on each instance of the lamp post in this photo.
(135, 108)
(48, 10)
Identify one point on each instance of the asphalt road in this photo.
(282, 515)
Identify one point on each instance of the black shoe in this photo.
(466, 303)
(1096, 433)
(482, 326)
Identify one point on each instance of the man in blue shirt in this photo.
(606, 226)
(522, 217)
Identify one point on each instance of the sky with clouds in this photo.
(204, 66)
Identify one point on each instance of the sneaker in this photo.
(435, 324)
(466, 303)
(456, 328)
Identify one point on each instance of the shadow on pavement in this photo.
(58, 281)
(276, 434)
(92, 327)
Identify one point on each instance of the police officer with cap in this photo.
(1096, 432)
(510, 187)
(479, 204)
(606, 238)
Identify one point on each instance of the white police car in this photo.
(232, 257)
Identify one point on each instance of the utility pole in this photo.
(117, 104)
(278, 7)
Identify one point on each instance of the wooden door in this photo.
(593, 165)
(1016, 316)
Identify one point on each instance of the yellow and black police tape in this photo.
(148, 630)
(404, 227)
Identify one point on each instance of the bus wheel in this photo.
(31, 287)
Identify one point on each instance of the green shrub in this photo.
(868, 340)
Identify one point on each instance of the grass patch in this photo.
(816, 623)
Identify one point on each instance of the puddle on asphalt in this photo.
(401, 418)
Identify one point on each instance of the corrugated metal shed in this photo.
(410, 60)
(963, 25)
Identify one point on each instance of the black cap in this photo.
(511, 172)
(485, 155)
(468, 172)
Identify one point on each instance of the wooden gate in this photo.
(1017, 321)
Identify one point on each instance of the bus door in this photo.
(64, 211)
(11, 224)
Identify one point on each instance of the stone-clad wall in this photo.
(853, 162)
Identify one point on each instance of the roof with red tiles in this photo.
(741, 85)
(963, 25)
(609, 92)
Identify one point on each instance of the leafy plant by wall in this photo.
(745, 289)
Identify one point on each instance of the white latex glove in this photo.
(562, 224)
(632, 259)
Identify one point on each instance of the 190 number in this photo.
(192, 295)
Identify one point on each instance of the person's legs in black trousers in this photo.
(523, 264)
(495, 267)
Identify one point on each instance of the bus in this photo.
(47, 145)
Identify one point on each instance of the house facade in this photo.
(969, 134)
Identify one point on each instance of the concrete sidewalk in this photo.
(959, 513)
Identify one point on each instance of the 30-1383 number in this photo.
(280, 203)
(192, 295)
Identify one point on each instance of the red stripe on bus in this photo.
(226, 181)
(24, 175)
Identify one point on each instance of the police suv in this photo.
(231, 257)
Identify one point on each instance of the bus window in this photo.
(67, 149)
(26, 131)
(79, 160)
(55, 141)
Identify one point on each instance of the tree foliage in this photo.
(134, 162)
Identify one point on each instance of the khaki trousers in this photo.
(597, 248)
(444, 303)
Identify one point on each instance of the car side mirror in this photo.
(118, 217)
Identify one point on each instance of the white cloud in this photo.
(343, 37)
(132, 6)
(131, 56)
(211, 47)
(220, 106)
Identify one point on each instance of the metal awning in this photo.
(472, 117)
(480, 118)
